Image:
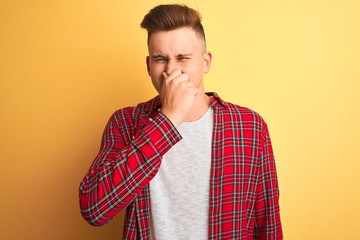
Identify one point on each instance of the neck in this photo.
(200, 106)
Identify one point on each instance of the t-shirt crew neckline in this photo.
(203, 118)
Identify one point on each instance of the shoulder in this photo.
(239, 118)
(248, 121)
(236, 113)
(243, 113)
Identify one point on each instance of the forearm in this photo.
(121, 171)
(268, 224)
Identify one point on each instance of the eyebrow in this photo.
(184, 55)
(158, 56)
(179, 55)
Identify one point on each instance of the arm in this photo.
(267, 216)
(123, 168)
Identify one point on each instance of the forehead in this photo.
(181, 40)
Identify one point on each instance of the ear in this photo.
(148, 64)
(207, 57)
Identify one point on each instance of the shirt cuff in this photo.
(160, 132)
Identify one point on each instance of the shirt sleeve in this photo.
(121, 170)
(267, 213)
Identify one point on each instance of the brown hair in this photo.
(170, 17)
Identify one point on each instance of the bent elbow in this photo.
(93, 218)
(91, 213)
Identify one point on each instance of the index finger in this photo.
(172, 75)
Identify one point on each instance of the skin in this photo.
(176, 65)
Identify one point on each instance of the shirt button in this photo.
(133, 137)
(158, 109)
(150, 119)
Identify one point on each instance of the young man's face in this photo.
(177, 49)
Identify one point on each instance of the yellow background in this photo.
(66, 66)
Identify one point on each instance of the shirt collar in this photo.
(216, 101)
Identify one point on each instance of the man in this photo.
(186, 164)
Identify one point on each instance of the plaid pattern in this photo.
(243, 182)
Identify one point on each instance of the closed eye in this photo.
(183, 57)
(160, 60)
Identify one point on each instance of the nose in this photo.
(171, 66)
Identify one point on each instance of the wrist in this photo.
(174, 120)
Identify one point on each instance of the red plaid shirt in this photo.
(244, 191)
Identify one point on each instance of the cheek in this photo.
(156, 77)
(195, 69)
(189, 67)
(156, 83)
(156, 70)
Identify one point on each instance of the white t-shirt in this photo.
(179, 192)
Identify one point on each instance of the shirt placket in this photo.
(215, 176)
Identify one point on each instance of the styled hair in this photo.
(170, 17)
